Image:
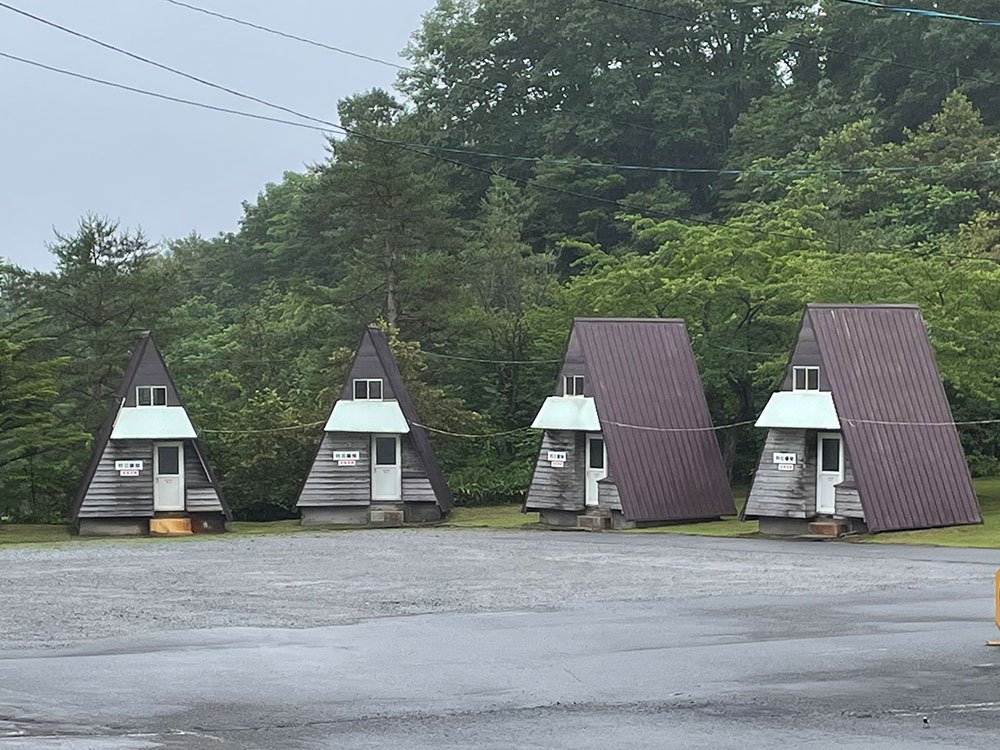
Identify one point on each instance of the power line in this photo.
(922, 12)
(402, 68)
(791, 171)
(416, 150)
(289, 35)
(165, 97)
(493, 361)
(942, 74)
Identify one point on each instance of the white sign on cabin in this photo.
(557, 459)
(786, 467)
(128, 468)
(347, 458)
(785, 458)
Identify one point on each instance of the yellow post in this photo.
(997, 597)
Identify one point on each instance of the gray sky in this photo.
(68, 147)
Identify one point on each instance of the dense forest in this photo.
(720, 161)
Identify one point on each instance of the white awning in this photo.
(152, 423)
(805, 410)
(568, 413)
(367, 416)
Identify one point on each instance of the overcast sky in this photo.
(68, 147)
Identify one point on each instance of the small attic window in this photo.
(151, 395)
(368, 389)
(573, 386)
(805, 378)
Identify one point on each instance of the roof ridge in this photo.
(863, 305)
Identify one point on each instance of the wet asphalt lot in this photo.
(456, 639)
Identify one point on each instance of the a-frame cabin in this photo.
(148, 472)
(375, 464)
(860, 435)
(627, 438)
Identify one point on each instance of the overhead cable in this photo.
(922, 12)
(942, 74)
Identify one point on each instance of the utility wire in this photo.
(402, 68)
(289, 428)
(327, 129)
(521, 181)
(922, 12)
(397, 144)
(166, 97)
(493, 361)
(942, 74)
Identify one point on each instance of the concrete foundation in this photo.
(333, 515)
(421, 513)
(563, 519)
(386, 517)
(801, 526)
(113, 526)
(593, 521)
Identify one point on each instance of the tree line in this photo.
(723, 162)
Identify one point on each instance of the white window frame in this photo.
(806, 369)
(368, 382)
(574, 380)
(152, 399)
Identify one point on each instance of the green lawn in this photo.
(491, 517)
(511, 517)
(986, 534)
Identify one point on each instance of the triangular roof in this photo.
(145, 367)
(374, 356)
(908, 462)
(662, 450)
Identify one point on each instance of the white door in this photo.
(597, 467)
(386, 471)
(829, 470)
(168, 476)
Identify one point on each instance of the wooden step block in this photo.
(170, 527)
(833, 527)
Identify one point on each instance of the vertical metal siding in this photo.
(880, 367)
(643, 374)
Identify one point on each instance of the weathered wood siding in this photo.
(151, 371)
(416, 486)
(559, 488)
(367, 365)
(200, 495)
(330, 484)
(113, 496)
(847, 500)
(785, 494)
(573, 364)
(805, 354)
(607, 495)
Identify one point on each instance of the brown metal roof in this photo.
(417, 433)
(643, 375)
(880, 369)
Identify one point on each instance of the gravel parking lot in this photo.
(54, 596)
(455, 639)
